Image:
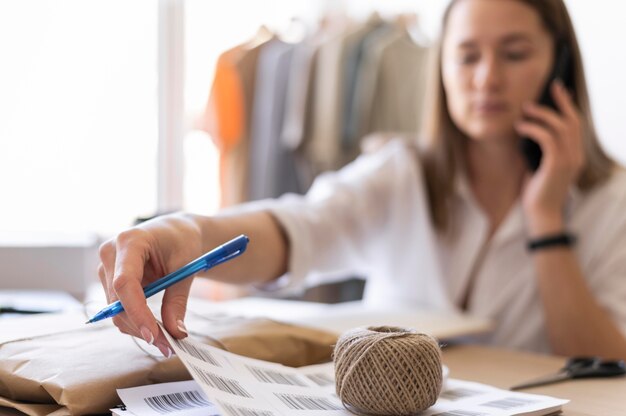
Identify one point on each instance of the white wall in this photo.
(601, 33)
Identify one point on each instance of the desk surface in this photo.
(505, 368)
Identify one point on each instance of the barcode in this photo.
(461, 413)
(459, 393)
(221, 383)
(298, 402)
(269, 376)
(199, 353)
(243, 411)
(321, 379)
(509, 403)
(177, 401)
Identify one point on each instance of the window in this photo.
(78, 131)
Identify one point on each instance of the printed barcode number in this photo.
(199, 353)
(269, 376)
(321, 379)
(298, 402)
(509, 403)
(243, 411)
(177, 401)
(460, 413)
(459, 393)
(221, 383)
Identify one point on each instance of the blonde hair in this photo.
(441, 150)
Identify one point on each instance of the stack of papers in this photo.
(231, 385)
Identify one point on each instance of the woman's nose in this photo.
(487, 74)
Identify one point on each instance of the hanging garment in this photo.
(296, 129)
(225, 115)
(365, 83)
(322, 148)
(236, 182)
(228, 115)
(354, 54)
(400, 86)
(296, 123)
(272, 167)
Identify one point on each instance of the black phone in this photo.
(562, 70)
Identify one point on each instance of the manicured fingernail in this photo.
(165, 350)
(146, 335)
(181, 326)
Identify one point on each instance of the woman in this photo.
(448, 227)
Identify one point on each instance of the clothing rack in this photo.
(281, 112)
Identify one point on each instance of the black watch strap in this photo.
(554, 240)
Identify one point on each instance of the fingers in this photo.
(542, 136)
(564, 101)
(570, 113)
(106, 267)
(131, 256)
(121, 273)
(174, 308)
(106, 274)
(547, 117)
(558, 134)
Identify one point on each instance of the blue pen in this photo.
(218, 255)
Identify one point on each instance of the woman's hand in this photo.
(141, 255)
(560, 137)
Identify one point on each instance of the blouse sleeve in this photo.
(334, 231)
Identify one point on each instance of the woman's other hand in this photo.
(559, 134)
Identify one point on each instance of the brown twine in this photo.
(387, 371)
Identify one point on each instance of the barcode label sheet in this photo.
(227, 384)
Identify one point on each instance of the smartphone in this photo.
(562, 70)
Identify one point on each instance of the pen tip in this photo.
(88, 322)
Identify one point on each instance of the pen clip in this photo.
(231, 249)
(224, 259)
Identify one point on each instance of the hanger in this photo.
(262, 35)
(334, 17)
(295, 32)
(409, 23)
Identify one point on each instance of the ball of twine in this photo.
(387, 370)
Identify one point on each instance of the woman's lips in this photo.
(490, 107)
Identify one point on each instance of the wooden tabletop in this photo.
(505, 368)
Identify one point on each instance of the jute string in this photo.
(387, 371)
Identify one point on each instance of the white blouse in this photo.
(372, 219)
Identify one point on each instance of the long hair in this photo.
(442, 149)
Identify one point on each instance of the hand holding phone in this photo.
(561, 70)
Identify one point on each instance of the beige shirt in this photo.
(371, 218)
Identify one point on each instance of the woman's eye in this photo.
(468, 59)
(516, 55)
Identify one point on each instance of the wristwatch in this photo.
(554, 240)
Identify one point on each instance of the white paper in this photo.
(241, 386)
(465, 398)
(184, 398)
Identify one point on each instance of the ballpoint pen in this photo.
(218, 255)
